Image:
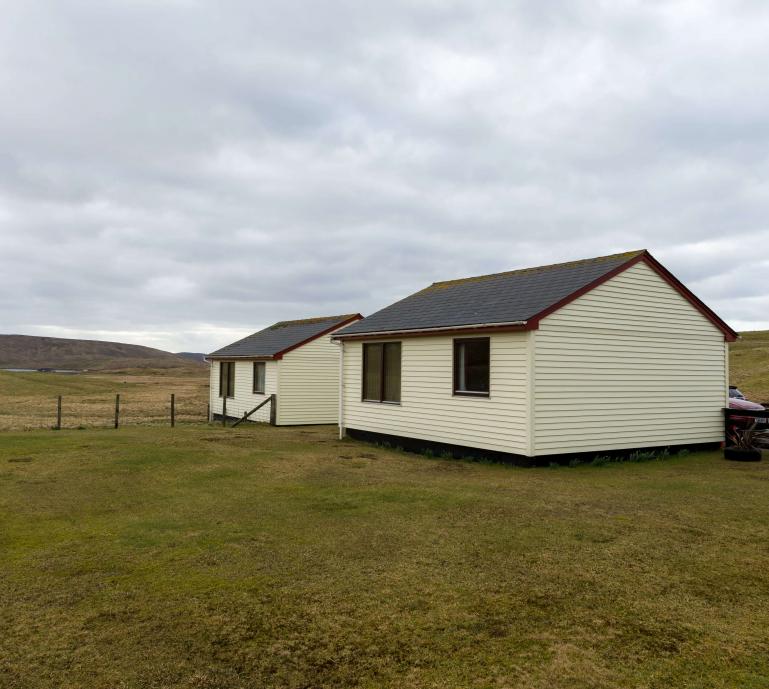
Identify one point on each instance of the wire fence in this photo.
(116, 411)
(40, 401)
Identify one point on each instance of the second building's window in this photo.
(382, 372)
(227, 379)
(259, 376)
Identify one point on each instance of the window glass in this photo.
(392, 372)
(259, 376)
(227, 379)
(372, 372)
(382, 372)
(471, 366)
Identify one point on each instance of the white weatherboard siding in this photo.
(245, 400)
(428, 409)
(629, 364)
(308, 390)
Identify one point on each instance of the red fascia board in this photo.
(247, 357)
(453, 332)
(729, 334)
(533, 322)
(341, 324)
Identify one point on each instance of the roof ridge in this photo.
(518, 298)
(279, 338)
(623, 254)
(314, 319)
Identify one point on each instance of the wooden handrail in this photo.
(256, 408)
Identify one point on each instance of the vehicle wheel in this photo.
(737, 455)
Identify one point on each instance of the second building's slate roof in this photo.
(517, 295)
(280, 337)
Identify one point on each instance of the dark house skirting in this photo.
(447, 450)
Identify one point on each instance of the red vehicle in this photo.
(737, 401)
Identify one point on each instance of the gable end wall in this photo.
(629, 364)
(308, 391)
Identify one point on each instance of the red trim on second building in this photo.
(352, 319)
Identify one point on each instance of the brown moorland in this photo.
(28, 400)
(28, 351)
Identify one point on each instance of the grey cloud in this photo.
(182, 172)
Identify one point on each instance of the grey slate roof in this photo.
(280, 337)
(513, 296)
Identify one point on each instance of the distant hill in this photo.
(194, 356)
(29, 351)
(749, 364)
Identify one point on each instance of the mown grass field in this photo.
(210, 558)
(28, 400)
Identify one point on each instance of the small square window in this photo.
(382, 372)
(471, 366)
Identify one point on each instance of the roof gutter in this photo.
(246, 357)
(443, 328)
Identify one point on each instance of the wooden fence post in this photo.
(224, 410)
(273, 409)
(173, 410)
(117, 410)
(58, 413)
(208, 412)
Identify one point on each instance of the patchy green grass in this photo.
(749, 364)
(203, 558)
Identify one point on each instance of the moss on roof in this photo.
(511, 296)
(310, 321)
(624, 256)
(279, 337)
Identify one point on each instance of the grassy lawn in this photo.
(205, 558)
(28, 400)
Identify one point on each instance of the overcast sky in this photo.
(179, 173)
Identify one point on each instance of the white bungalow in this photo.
(610, 353)
(295, 362)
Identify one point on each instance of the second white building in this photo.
(295, 362)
